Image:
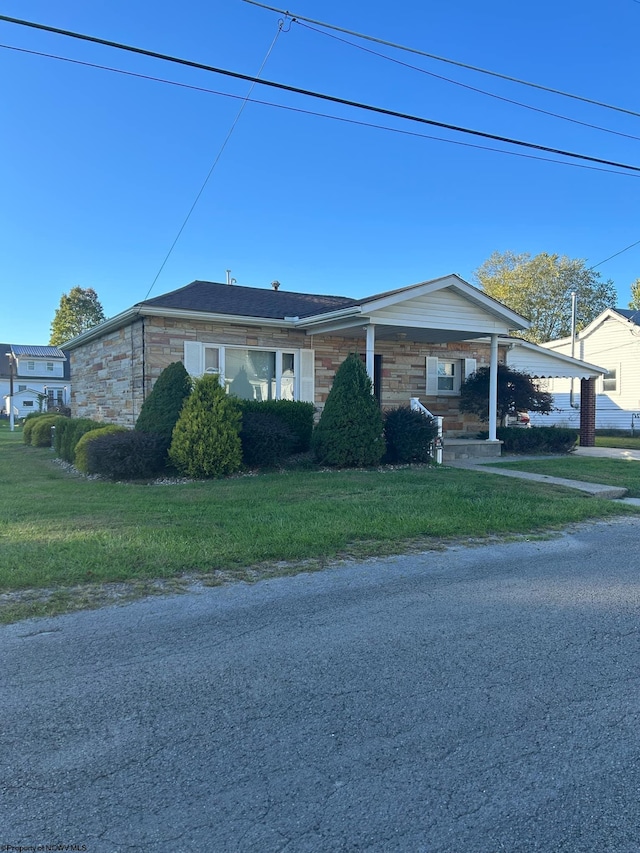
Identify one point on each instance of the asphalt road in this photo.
(474, 700)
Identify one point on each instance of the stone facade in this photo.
(112, 375)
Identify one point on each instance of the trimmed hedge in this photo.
(536, 439)
(266, 439)
(29, 423)
(296, 416)
(161, 410)
(126, 455)
(409, 435)
(69, 432)
(81, 458)
(40, 433)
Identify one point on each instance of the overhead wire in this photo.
(235, 121)
(321, 96)
(315, 113)
(464, 85)
(466, 65)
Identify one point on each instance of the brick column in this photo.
(587, 412)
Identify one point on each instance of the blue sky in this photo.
(99, 170)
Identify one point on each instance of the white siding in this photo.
(443, 309)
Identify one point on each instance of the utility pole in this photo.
(10, 356)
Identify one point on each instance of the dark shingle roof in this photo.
(631, 314)
(241, 301)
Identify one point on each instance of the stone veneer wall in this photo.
(108, 382)
(106, 377)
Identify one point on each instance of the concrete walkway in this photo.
(596, 490)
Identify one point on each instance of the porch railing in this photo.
(438, 443)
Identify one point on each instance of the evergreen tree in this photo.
(79, 310)
(206, 438)
(350, 430)
(161, 409)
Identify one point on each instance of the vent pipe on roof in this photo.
(275, 285)
(231, 280)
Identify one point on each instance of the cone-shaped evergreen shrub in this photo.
(206, 439)
(160, 411)
(349, 432)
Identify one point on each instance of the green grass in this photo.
(610, 472)
(60, 532)
(625, 442)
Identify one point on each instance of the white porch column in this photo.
(493, 388)
(371, 345)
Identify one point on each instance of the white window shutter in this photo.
(194, 358)
(469, 367)
(307, 375)
(432, 376)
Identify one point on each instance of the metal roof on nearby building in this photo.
(37, 352)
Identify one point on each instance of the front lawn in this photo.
(58, 530)
(610, 472)
(626, 442)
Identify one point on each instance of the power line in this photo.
(318, 95)
(235, 121)
(315, 113)
(449, 61)
(621, 252)
(466, 85)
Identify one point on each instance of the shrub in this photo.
(536, 439)
(41, 430)
(266, 439)
(409, 435)
(295, 415)
(69, 432)
(206, 440)
(81, 459)
(350, 430)
(29, 423)
(517, 392)
(126, 455)
(160, 411)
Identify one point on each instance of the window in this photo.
(22, 388)
(31, 365)
(252, 373)
(446, 375)
(610, 381)
(50, 367)
(27, 403)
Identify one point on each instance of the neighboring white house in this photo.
(612, 341)
(38, 377)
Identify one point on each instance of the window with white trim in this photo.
(50, 367)
(446, 375)
(610, 382)
(252, 373)
(31, 365)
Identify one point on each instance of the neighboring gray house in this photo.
(40, 378)
(612, 341)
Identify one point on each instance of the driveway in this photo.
(473, 700)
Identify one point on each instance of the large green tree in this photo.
(79, 310)
(540, 289)
(635, 295)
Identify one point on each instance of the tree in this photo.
(635, 295)
(79, 310)
(517, 392)
(161, 409)
(350, 430)
(540, 289)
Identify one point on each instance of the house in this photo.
(33, 378)
(612, 340)
(419, 341)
